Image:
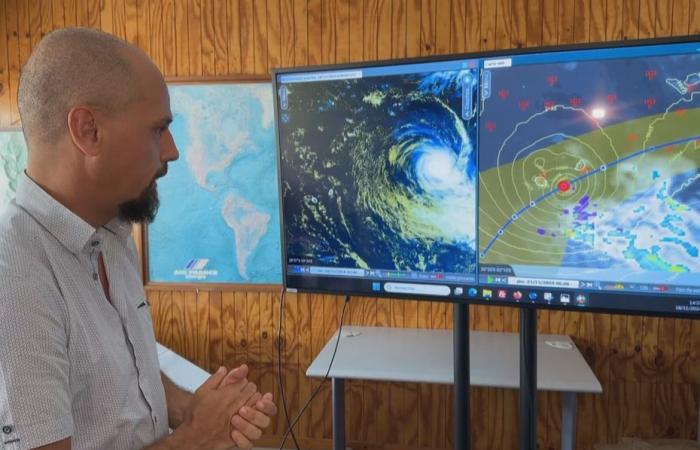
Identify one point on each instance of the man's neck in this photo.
(77, 197)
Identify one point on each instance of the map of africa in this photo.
(593, 166)
(13, 159)
(219, 216)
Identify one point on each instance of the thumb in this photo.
(235, 375)
(213, 381)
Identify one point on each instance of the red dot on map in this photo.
(564, 185)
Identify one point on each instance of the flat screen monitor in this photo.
(551, 177)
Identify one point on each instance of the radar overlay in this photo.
(592, 165)
(381, 171)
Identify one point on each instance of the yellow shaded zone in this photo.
(506, 189)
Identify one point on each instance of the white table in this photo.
(426, 356)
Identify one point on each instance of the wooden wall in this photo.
(649, 367)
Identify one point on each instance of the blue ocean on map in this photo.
(219, 220)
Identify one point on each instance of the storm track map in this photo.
(592, 165)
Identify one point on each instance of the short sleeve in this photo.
(35, 400)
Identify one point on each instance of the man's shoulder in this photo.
(21, 243)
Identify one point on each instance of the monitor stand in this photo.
(460, 332)
(528, 378)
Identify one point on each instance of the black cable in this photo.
(279, 371)
(325, 377)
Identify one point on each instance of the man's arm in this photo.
(178, 401)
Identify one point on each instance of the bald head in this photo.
(70, 67)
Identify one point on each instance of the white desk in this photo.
(426, 356)
(182, 372)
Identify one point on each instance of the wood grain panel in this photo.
(398, 27)
(550, 22)
(597, 26)
(143, 37)
(680, 19)
(216, 347)
(118, 17)
(582, 21)
(130, 15)
(202, 343)
(106, 15)
(260, 37)
(413, 28)
(663, 25)
(207, 38)
(647, 18)
(247, 40)
(630, 19)
(329, 34)
(318, 34)
(443, 26)
(274, 48)
(34, 11)
(181, 42)
(5, 108)
(287, 36)
(649, 367)
(155, 32)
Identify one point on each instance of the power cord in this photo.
(279, 373)
(290, 429)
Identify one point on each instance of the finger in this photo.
(240, 440)
(233, 384)
(254, 399)
(254, 417)
(238, 399)
(239, 373)
(213, 381)
(248, 429)
(266, 407)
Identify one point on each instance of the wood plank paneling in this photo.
(5, 106)
(170, 39)
(207, 39)
(649, 367)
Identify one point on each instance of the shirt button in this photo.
(7, 429)
(95, 243)
(94, 276)
(155, 419)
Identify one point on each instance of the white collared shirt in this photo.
(72, 363)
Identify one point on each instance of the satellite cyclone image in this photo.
(593, 165)
(393, 165)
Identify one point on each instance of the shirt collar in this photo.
(69, 229)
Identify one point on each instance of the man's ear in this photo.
(82, 126)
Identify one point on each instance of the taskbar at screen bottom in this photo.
(580, 300)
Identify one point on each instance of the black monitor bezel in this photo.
(473, 300)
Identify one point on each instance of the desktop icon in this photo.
(517, 295)
(502, 294)
(565, 299)
(459, 291)
(490, 279)
(581, 300)
(548, 297)
(487, 294)
(532, 296)
(473, 292)
(376, 287)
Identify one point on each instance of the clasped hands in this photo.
(228, 410)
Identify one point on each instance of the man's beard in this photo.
(144, 208)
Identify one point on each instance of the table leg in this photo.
(568, 420)
(338, 385)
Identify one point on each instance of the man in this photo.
(78, 362)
